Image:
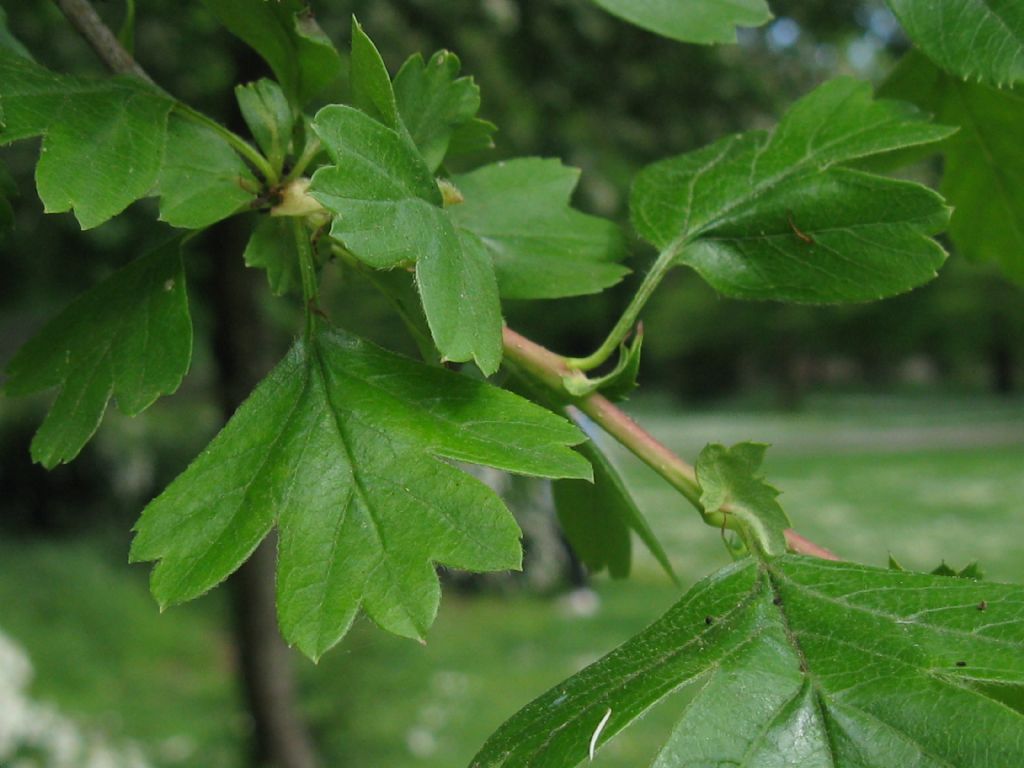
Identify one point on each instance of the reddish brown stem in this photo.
(549, 368)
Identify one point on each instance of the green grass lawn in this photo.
(926, 480)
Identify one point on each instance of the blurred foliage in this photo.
(560, 78)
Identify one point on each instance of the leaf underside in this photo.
(775, 216)
(541, 247)
(983, 176)
(597, 518)
(693, 21)
(342, 448)
(808, 663)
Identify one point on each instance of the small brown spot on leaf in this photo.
(709, 620)
(982, 606)
(961, 663)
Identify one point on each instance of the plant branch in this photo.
(104, 42)
(89, 24)
(307, 269)
(549, 368)
(661, 267)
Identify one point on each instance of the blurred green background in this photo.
(897, 427)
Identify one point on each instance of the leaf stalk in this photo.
(661, 267)
(307, 269)
(240, 145)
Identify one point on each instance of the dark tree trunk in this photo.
(280, 738)
(1001, 358)
(241, 341)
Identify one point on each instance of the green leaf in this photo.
(129, 338)
(984, 167)
(736, 494)
(371, 84)
(474, 136)
(387, 212)
(379, 188)
(541, 247)
(981, 39)
(202, 180)
(341, 447)
(272, 247)
(266, 111)
(597, 518)
(772, 216)
(288, 38)
(692, 21)
(434, 103)
(460, 296)
(103, 140)
(801, 662)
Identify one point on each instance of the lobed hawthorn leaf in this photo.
(731, 487)
(199, 177)
(342, 448)
(387, 211)
(692, 21)
(129, 338)
(981, 39)
(512, 218)
(795, 661)
(434, 103)
(541, 247)
(203, 180)
(597, 518)
(286, 35)
(114, 118)
(775, 216)
(983, 174)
